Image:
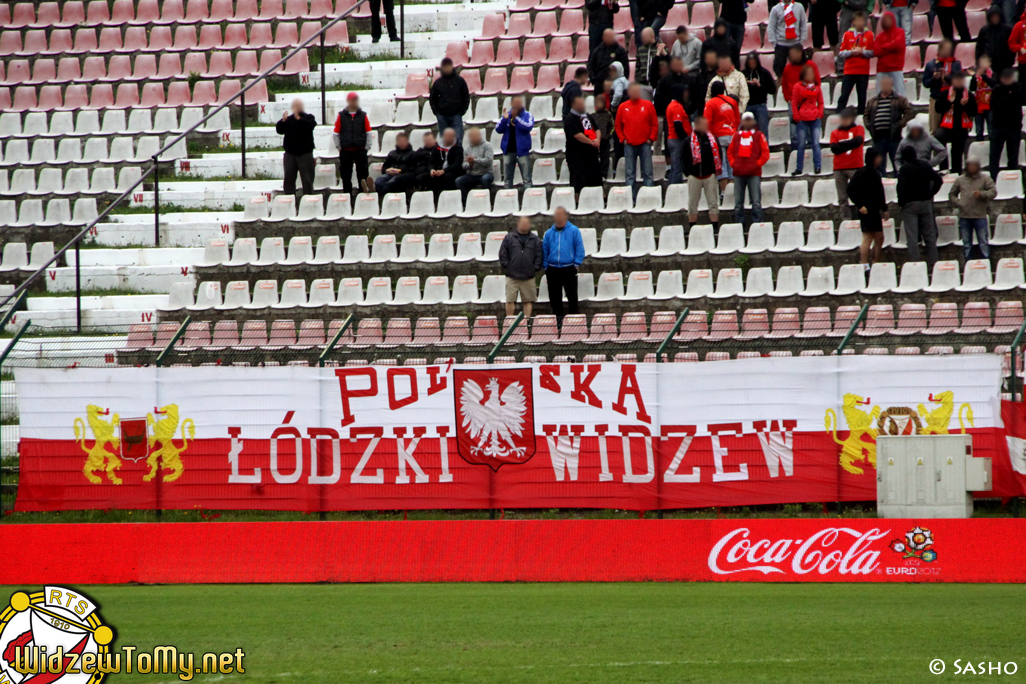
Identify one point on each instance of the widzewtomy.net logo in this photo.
(57, 635)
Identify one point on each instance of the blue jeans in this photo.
(727, 173)
(896, 76)
(904, 21)
(984, 119)
(631, 154)
(809, 132)
(966, 227)
(510, 162)
(453, 122)
(754, 186)
(762, 117)
(676, 148)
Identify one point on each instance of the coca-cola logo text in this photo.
(833, 549)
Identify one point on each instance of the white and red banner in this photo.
(629, 436)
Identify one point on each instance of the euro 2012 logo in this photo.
(50, 636)
(918, 544)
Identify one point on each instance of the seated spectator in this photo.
(520, 256)
(701, 159)
(582, 147)
(748, 152)
(760, 86)
(646, 63)
(689, 48)
(927, 147)
(603, 56)
(399, 171)
(477, 164)
(867, 193)
(807, 111)
(846, 143)
(444, 163)
(957, 112)
(573, 88)
(972, 193)
(515, 126)
(723, 117)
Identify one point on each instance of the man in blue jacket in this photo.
(515, 126)
(562, 255)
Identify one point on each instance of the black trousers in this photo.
(780, 59)
(436, 184)
(302, 166)
(957, 137)
(860, 82)
(948, 16)
(347, 159)
(375, 8)
(562, 280)
(1007, 139)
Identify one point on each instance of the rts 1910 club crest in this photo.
(495, 416)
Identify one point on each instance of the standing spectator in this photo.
(972, 193)
(297, 128)
(937, 77)
(993, 40)
(635, 7)
(689, 48)
(515, 127)
(760, 86)
(600, 18)
(653, 13)
(1017, 43)
(603, 56)
(902, 10)
(375, 9)
(574, 88)
(520, 256)
(747, 153)
(450, 100)
(917, 185)
(957, 112)
(796, 63)
(1007, 101)
(886, 116)
(982, 84)
(848, 10)
(951, 15)
(352, 140)
(735, 13)
(667, 89)
(602, 122)
(619, 85)
(646, 64)
(787, 28)
(723, 117)
(477, 164)
(866, 191)
(700, 85)
(399, 171)
(807, 109)
(928, 148)
(846, 143)
(445, 163)
(734, 82)
(701, 160)
(638, 127)
(889, 50)
(824, 20)
(563, 254)
(582, 147)
(678, 129)
(720, 41)
(856, 51)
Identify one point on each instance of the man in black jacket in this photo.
(735, 14)
(450, 99)
(600, 18)
(352, 140)
(1006, 102)
(721, 43)
(521, 258)
(701, 170)
(574, 88)
(957, 111)
(444, 163)
(917, 185)
(993, 40)
(398, 171)
(602, 57)
(297, 129)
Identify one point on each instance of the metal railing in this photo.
(154, 170)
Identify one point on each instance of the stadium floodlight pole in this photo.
(346, 324)
(172, 342)
(402, 32)
(505, 336)
(324, 96)
(669, 336)
(156, 201)
(1015, 357)
(242, 117)
(851, 331)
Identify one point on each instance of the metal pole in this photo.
(172, 342)
(243, 116)
(505, 336)
(324, 102)
(156, 202)
(322, 359)
(669, 335)
(402, 29)
(1016, 341)
(851, 331)
(78, 285)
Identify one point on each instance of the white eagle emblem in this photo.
(495, 422)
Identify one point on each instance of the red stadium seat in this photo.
(572, 24)
(94, 69)
(178, 95)
(119, 69)
(235, 37)
(702, 15)
(228, 89)
(148, 12)
(758, 12)
(753, 39)
(172, 12)
(246, 11)
(473, 79)
(271, 9)
(458, 52)
(195, 63)
(257, 93)
(24, 99)
(160, 39)
(966, 53)
(72, 14)
(268, 58)
(18, 72)
(110, 40)
(43, 71)
(196, 11)
(568, 73)
(128, 96)
(50, 98)
(10, 43)
(299, 63)
(507, 54)
(68, 69)
(97, 13)
(260, 36)
(320, 9)
(122, 13)
(482, 55)
(583, 51)
(548, 79)
(60, 43)
(220, 64)
(204, 94)
(522, 81)
(136, 40)
(246, 64)
(85, 41)
(913, 61)
(494, 26)
(24, 15)
(824, 61)
(494, 82)
(561, 50)
(416, 86)
(519, 26)
(221, 10)
(286, 35)
(296, 9)
(170, 66)
(308, 29)
(338, 34)
(545, 25)
(5, 99)
(144, 68)
(523, 6)
(152, 95)
(209, 37)
(76, 97)
(185, 39)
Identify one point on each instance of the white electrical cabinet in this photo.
(928, 476)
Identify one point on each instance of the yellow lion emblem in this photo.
(853, 448)
(937, 420)
(164, 433)
(98, 458)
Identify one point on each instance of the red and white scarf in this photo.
(790, 33)
(745, 140)
(696, 151)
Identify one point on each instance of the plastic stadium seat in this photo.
(820, 281)
(882, 278)
(1008, 275)
(943, 319)
(975, 318)
(945, 277)
(977, 276)
(1008, 317)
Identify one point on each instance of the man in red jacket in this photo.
(638, 127)
(856, 50)
(748, 152)
(889, 50)
(796, 61)
(724, 117)
(1017, 44)
(846, 143)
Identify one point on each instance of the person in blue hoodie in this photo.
(562, 254)
(515, 126)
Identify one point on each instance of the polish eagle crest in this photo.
(494, 423)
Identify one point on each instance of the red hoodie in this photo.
(854, 65)
(792, 75)
(1017, 41)
(749, 160)
(889, 46)
(723, 115)
(807, 102)
(852, 159)
(636, 122)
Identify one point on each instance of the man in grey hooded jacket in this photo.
(520, 256)
(927, 147)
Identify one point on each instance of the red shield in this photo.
(495, 416)
(133, 439)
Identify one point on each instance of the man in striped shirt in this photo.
(886, 116)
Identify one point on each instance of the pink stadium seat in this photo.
(18, 72)
(458, 52)
(494, 26)
(178, 94)
(50, 98)
(320, 9)
(24, 15)
(544, 25)
(758, 13)
(473, 79)
(10, 43)
(523, 6)
(271, 9)
(204, 94)
(170, 66)
(160, 39)
(60, 43)
(148, 12)
(68, 69)
(221, 10)
(754, 324)
(695, 326)
(220, 64)
(295, 9)
(975, 318)
(913, 60)
(966, 53)
(483, 53)
(824, 61)
(548, 79)
(561, 50)
(678, 16)
(94, 69)
(1008, 318)
(268, 58)
(110, 40)
(543, 330)
(522, 81)
(5, 99)
(185, 39)
(785, 323)
(583, 50)
(572, 24)
(128, 96)
(120, 68)
(210, 37)
(286, 35)
(911, 319)
(702, 15)
(235, 37)
(843, 320)
(816, 322)
(976, 21)
(172, 12)
(254, 334)
(97, 13)
(144, 68)
(519, 26)
(338, 34)
(195, 63)
(494, 82)
(507, 54)
(417, 86)
(76, 97)
(753, 39)
(123, 12)
(724, 326)
(196, 11)
(72, 14)
(24, 99)
(260, 36)
(534, 51)
(308, 29)
(568, 73)
(136, 40)
(5, 15)
(299, 63)
(228, 89)
(920, 28)
(943, 319)
(246, 64)
(455, 331)
(85, 41)
(43, 71)
(152, 95)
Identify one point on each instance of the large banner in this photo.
(791, 550)
(628, 436)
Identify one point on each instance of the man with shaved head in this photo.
(297, 129)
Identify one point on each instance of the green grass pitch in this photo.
(575, 633)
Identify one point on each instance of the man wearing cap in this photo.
(352, 140)
(450, 100)
(846, 143)
(297, 127)
(747, 153)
